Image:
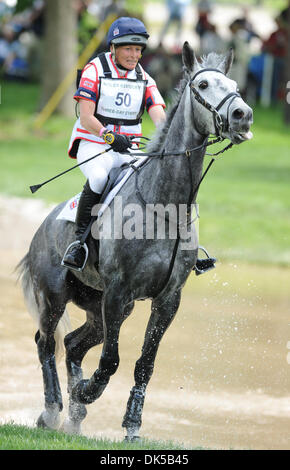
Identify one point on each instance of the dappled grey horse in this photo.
(121, 270)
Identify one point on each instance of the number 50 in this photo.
(123, 98)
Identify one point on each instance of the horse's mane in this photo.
(161, 132)
(212, 60)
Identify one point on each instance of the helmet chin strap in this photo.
(113, 52)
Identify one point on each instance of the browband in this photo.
(206, 70)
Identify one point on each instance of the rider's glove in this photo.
(119, 142)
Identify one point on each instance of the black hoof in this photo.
(80, 394)
(132, 439)
(40, 423)
(87, 391)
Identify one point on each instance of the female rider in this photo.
(113, 92)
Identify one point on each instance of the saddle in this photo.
(114, 177)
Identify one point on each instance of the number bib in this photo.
(121, 101)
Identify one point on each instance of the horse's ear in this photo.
(188, 58)
(227, 62)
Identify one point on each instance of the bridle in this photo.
(220, 124)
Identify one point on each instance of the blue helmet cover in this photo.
(124, 26)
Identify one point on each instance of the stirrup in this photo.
(207, 263)
(72, 266)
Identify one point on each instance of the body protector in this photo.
(120, 101)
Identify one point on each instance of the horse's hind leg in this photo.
(50, 314)
(163, 312)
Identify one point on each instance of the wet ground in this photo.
(222, 375)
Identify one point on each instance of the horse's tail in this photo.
(64, 325)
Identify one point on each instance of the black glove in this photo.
(119, 142)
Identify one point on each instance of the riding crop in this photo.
(35, 188)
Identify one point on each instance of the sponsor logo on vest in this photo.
(88, 84)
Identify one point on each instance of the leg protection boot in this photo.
(76, 254)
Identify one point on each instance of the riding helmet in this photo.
(126, 30)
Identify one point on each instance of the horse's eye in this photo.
(203, 85)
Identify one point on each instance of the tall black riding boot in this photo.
(75, 255)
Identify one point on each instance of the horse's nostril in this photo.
(238, 113)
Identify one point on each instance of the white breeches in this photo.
(97, 170)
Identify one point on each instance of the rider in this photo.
(113, 91)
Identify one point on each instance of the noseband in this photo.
(219, 124)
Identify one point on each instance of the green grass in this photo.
(244, 200)
(16, 437)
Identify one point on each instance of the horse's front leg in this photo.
(163, 312)
(87, 391)
(77, 344)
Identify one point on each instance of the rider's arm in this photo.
(87, 118)
(157, 114)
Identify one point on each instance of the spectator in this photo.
(203, 24)
(176, 11)
(247, 25)
(276, 46)
(13, 53)
(210, 41)
(239, 43)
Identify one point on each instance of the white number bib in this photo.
(121, 100)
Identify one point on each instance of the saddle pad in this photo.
(69, 211)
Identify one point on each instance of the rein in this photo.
(186, 153)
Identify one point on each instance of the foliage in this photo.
(134, 8)
(23, 4)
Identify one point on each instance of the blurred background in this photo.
(228, 385)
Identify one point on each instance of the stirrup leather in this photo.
(205, 264)
(71, 266)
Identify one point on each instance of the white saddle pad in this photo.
(69, 211)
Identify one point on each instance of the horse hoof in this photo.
(86, 392)
(71, 427)
(40, 423)
(132, 439)
(79, 394)
(48, 421)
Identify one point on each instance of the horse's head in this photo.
(222, 111)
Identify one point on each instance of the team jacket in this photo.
(120, 100)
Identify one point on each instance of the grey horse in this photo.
(121, 270)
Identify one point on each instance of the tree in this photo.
(59, 51)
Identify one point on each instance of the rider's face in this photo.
(128, 56)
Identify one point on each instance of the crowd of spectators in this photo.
(21, 38)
